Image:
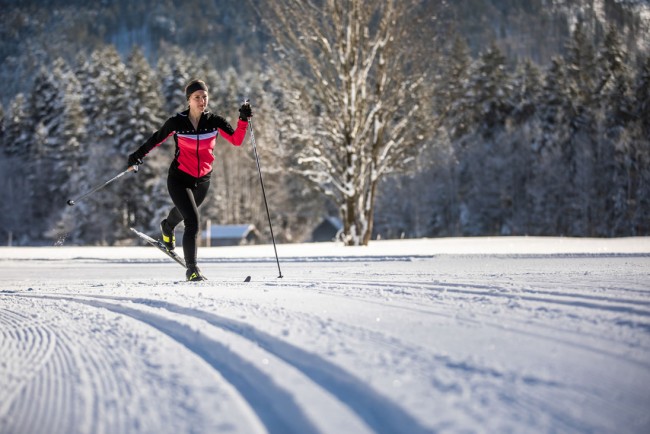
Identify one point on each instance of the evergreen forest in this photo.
(532, 118)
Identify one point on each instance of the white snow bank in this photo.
(388, 248)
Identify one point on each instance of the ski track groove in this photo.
(33, 346)
(475, 317)
(259, 391)
(52, 392)
(465, 371)
(612, 303)
(405, 295)
(101, 387)
(378, 413)
(512, 295)
(29, 416)
(60, 410)
(561, 298)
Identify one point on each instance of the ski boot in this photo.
(168, 237)
(193, 274)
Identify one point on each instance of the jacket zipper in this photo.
(198, 159)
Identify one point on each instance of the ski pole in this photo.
(133, 168)
(259, 170)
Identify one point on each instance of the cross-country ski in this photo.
(160, 246)
(171, 253)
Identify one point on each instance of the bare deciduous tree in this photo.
(353, 76)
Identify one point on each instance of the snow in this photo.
(518, 334)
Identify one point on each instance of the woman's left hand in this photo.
(245, 111)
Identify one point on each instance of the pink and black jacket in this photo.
(194, 148)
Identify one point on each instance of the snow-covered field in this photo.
(494, 335)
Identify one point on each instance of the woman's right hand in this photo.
(134, 160)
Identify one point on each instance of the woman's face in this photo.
(198, 101)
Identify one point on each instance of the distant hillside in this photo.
(33, 32)
(538, 29)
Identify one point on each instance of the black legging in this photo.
(187, 197)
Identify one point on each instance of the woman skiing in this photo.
(195, 132)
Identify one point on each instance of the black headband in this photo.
(197, 85)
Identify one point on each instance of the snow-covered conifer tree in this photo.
(491, 91)
(523, 131)
(612, 141)
(16, 137)
(146, 193)
(174, 75)
(641, 155)
(110, 93)
(453, 89)
(15, 215)
(2, 127)
(55, 146)
(483, 192)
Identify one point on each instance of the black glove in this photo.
(245, 112)
(134, 159)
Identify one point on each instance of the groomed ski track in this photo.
(368, 342)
